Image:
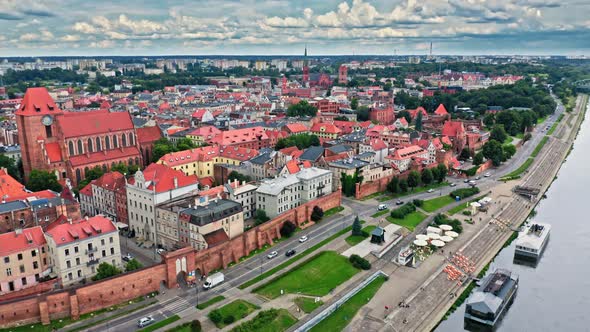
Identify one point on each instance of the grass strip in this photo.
(380, 213)
(353, 240)
(307, 304)
(210, 302)
(160, 324)
(410, 221)
(434, 204)
(539, 146)
(517, 172)
(332, 211)
(293, 260)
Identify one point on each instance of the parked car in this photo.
(382, 207)
(127, 257)
(145, 321)
(273, 254)
(453, 184)
(290, 252)
(430, 190)
(303, 239)
(160, 251)
(399, 202)
(478, 178)
(487, 175)
(466, 181)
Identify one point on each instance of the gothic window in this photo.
(131, 139)
(124, 137)
(90, 148)
(78, 175)
(80, 147)
(71, 148)
(107, 143)
(98, 145)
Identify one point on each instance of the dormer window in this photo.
(50, 107)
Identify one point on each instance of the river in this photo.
(554, 295)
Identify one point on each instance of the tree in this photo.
(215, 316)
(413, 179)
(393, 185)
(435, 173)
(442, 172)
(238, 176)
(43, 180)
(527, 137)
(465, 154)
(498, 133)
(10, 166)
(356, 227)
(121, 168)
(260, 217)
(478, 159)
(488, 120)
(301, 141)
(133, 264)
(419, 122)
(509, 150)
(317, 213)
(359, 262)
(493, 150)
(354, 103)
(405, 114)
(362, 113)
(288, 229)
(105, 270)
(426, 176)
(185, 144)
(341, 118)
(196, 326)
(403, 185)
(303, 108)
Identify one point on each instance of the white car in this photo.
(487, 175)
(159, 251)
(145, 321)
(272, 255)
(127, 257)
(453, 184)
(430, 190)
(303, 239)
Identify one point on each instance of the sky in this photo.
(285, 27)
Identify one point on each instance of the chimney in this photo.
(70, 220)
(236, 183)
(86, 217)
(175, 182)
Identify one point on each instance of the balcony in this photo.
(92, 262)
(91, 250)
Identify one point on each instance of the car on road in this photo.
(466, 180)
(487, 175)
(127, 257)
(478, 178)
(382, 207)
(290, 252)
(453, 184)
(272, 255)
(160, 251)
(145, 321)
(430, 190)
(302, 239)
(399, 202)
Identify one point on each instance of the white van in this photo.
(382, 207)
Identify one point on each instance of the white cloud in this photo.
(102, 44)
(70, 38)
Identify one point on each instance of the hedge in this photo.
(403, 211)
(464, 192)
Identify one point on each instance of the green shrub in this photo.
(215, 316)
(418, 202)
(466, 213)
(403, 211)
(464, 192)
(441, 219)
(229, 319)
(359, 262)
(196, 326)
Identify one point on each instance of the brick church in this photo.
(71, 143)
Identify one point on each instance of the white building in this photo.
(77, 248)
(279, 195)
(245, 194)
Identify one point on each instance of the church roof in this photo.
(76, 124)
(37, 101)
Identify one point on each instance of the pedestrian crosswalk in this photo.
(175, 305)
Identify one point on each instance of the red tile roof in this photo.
(327, 128)
(237, 153)
(9, 186)
(53, 152)
(110, 181)
(206, 131)
(76, 124)
(292, 166)
(216, 237)
(82, 229)
(148, 134)
(30, 239)
(162, 178)
(37, 101)
(377, 144)
(295, 128)
(243, 135)
(407, 152)
(38, 194)
(87, 190)
(441, 110)
(453, 128)
(104, 156)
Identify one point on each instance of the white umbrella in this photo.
(438, 243)
(452, 234)
(446, 238)
(446, 227)
(433, 236)
(422, 237)
(420, 243)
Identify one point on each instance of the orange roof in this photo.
(110, 181)
(53, 152)
(296, 128)
(205, 131)
(161, 178)
(441, 110)
(9, 186)
(82, 229)
(75, 124)
(103, 156)
(37, 101)
(29, 239)
(87, 190)
(38, 194)
(243, 135)
(377, 144)
(148, 134)
(407, 152)
(292, 166)
(453, 128)
(325, 128)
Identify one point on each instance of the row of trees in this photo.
(164, 146)
(348, 183)
(301, 141)
(415, 179)
(303, 108)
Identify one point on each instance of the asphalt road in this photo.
(250, 268)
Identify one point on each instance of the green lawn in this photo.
(307, 304)
(508, 140)
(390, 196)
(516, 173)
(374, 195)
(160, 324)
(338, 320)
(541, 119)
(238, 309)
(211, 301)
(316, 277)
(380, 213)
(539, 146)
(294, 259)
(332, 211)
(410, 221)
(356, 239)
(434, 204)
(272, 320)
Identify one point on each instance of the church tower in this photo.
(305, 68)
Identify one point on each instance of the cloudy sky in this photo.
(156, 27)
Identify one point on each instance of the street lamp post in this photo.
(197, 287)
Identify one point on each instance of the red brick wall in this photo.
(366, 189)
(220, 256)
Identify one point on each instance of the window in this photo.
(90, 148)
(20, 257)
(112, 251)
(8, 272)
(111, 239)
(6, 259)
(79, 273)
(37, 277)
(102, 242)
(35, 265)
(71, 148)
(42, 250)
(80, 148)
(70, 276)
(67, 252)
(104, 253)
(68, 264)
(77, 260)
(98, 145)
(22, 269)
(23, 281)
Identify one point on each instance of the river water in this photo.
(554, 295)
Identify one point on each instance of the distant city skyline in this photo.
(284, 27)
